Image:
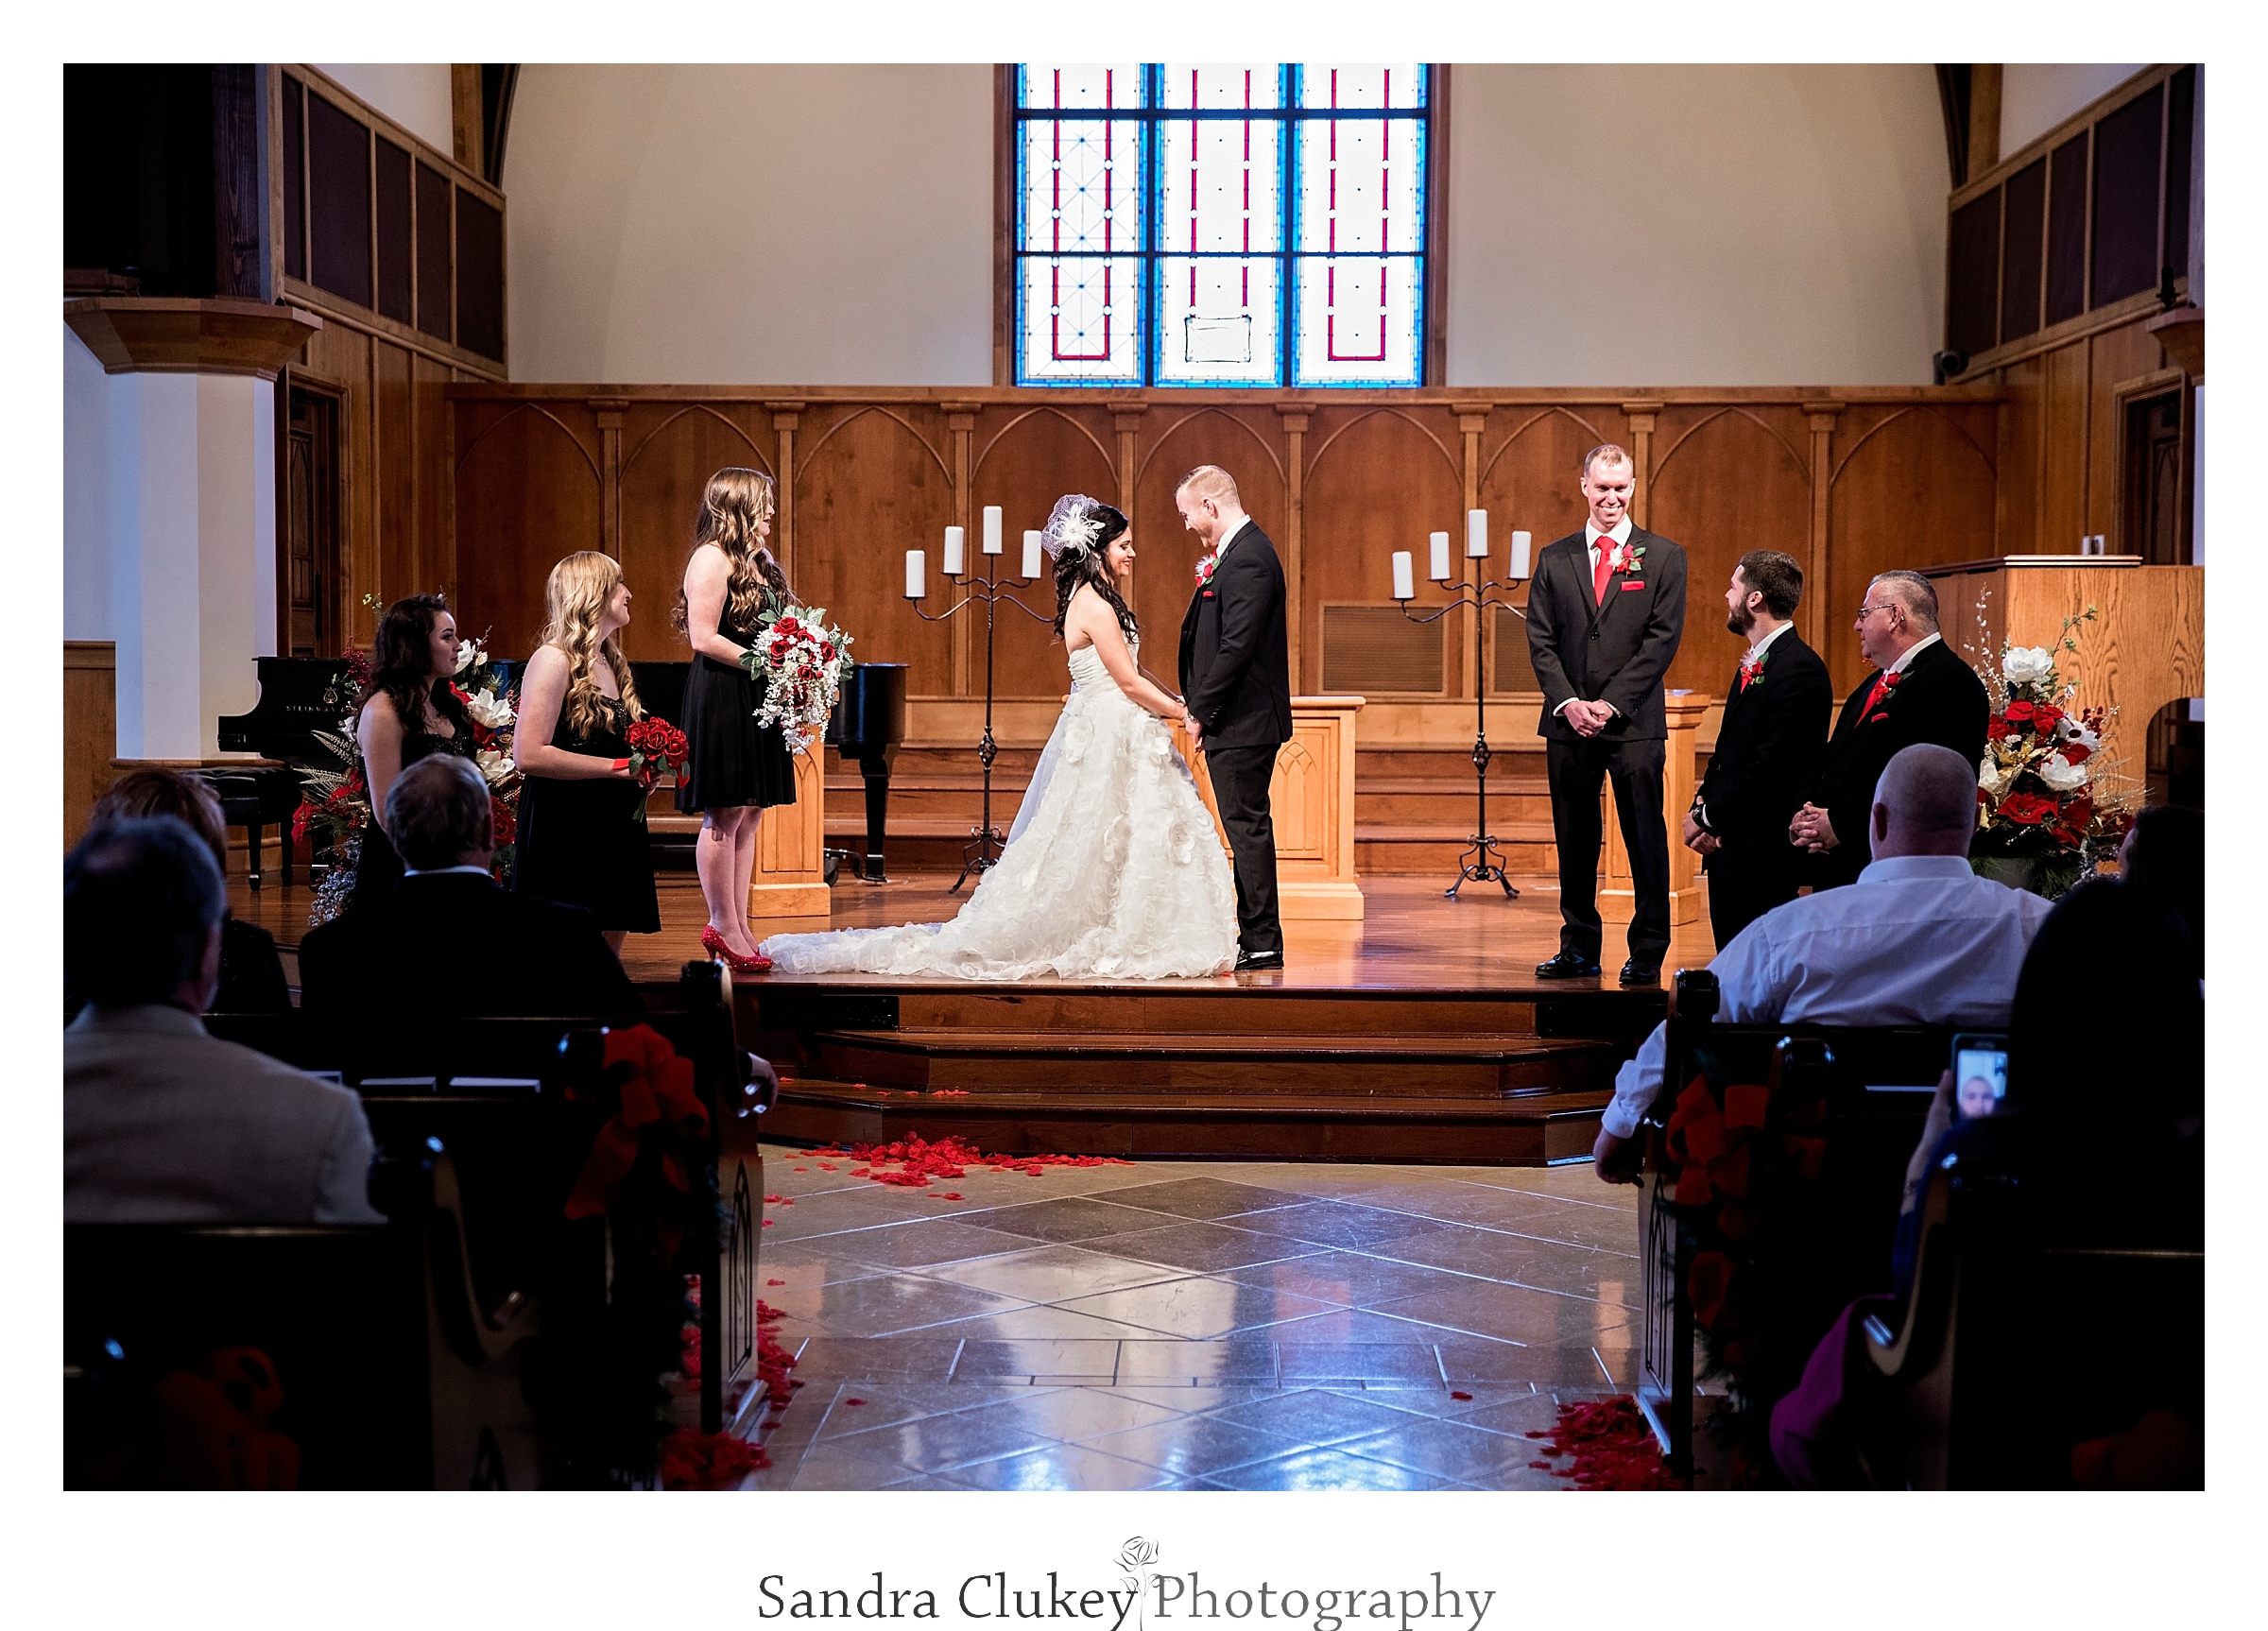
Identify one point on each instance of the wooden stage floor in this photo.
(1419, 1034)
(1411, 939)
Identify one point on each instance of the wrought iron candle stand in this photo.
(982, 854)
(1481, 863)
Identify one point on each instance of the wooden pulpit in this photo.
(1312, 800)
(790, 880)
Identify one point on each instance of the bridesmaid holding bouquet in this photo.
(582, 801)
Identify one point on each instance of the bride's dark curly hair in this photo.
(1076, 566)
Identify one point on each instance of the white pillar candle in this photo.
(1520, 557)
(1031, 553)
(1438, 570)
(955, 545)
(991, 529)
(1403, 587)
(917, 575)
(1476, 534)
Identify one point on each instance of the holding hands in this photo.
(1812, 830)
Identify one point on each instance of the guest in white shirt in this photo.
(163, 1122)
(1920, 939)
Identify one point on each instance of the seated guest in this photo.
(161, 1122)
(448, 940)
(252, 975)
(2103, 1130)
(2164, 855)
(1920, 939)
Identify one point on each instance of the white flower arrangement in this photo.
(490, 709)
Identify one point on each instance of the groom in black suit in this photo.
(1919, 691)
(1236, 683)
(1768, 750)
(1605, 612)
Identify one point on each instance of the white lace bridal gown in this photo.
(1113, 870)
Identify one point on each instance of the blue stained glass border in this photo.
(1146, 112)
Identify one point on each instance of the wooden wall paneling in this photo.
(2064, 450)
(428, 454)
(1725, 481)
(527, 485)
(1026, 457)
(2114, 356)
(1914, 487)
(1377, 480)
(871, 484)
(1821, 419)
(1175, 438)
(342, 358)
(668, 452)
(2022, 455)
(90, 730)
(393, 461)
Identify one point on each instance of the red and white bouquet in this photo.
(801, 661)
(2044, 811)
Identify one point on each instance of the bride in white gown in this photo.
(1114, 868)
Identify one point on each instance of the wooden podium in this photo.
(1617, 901)
(1312, 799)
(2146, 648)
(790, 880)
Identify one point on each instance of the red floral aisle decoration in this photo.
(2048, 812)
(1608, 1446)
(914, 1162)
(653, 1088)
(1740, 1162)
(694, 1460)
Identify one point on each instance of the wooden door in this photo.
(313, 622)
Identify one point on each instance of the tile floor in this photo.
(1181, 1325)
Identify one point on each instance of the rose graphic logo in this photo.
(1134, 1560)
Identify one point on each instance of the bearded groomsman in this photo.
(1605, 612)
(1768, 750)
(1920, 691)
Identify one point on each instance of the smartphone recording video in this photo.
(1980, 1074)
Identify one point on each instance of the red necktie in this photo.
(1601, 573)
(1874, 697)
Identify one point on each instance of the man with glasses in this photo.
(1919, 691)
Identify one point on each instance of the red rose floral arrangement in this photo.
(2046, 817)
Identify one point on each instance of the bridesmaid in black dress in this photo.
(407, 710)
(734, 770)
(581, 837)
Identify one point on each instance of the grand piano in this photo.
(868, 725)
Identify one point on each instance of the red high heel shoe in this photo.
(714, 943)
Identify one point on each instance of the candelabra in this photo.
(1481, 863)
(982, 853)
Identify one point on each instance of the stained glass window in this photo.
(1253, 224)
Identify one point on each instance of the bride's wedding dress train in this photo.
(1113, 869)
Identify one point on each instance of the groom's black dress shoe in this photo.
(1567, 966)
(1247, 960)
(1637, 973)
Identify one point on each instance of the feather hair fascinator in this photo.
(1080, 524)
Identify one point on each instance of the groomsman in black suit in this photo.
(1605, 612)
(1920, 691)
(1768, 750)
(1236, 682)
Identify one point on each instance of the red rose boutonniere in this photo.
(1205, 565)
(1752, 669)
(1630, 559)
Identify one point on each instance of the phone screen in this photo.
(1980, 1075)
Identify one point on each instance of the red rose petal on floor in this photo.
(767, 1222)
(775, 1282)
(854, 1402)
(1454, 1394)
(1541, 1466)
(949, 1196)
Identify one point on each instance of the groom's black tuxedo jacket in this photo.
(1768, 750)
(1615, 650)
(1235, 675)
(1939, 699)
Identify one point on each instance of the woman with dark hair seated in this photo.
(407, 710)
(252, 975)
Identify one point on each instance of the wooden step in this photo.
(1481, 1067)
(1518, 1132)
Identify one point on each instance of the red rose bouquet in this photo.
(801, 660)
(2045, 818)
(655, 744)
